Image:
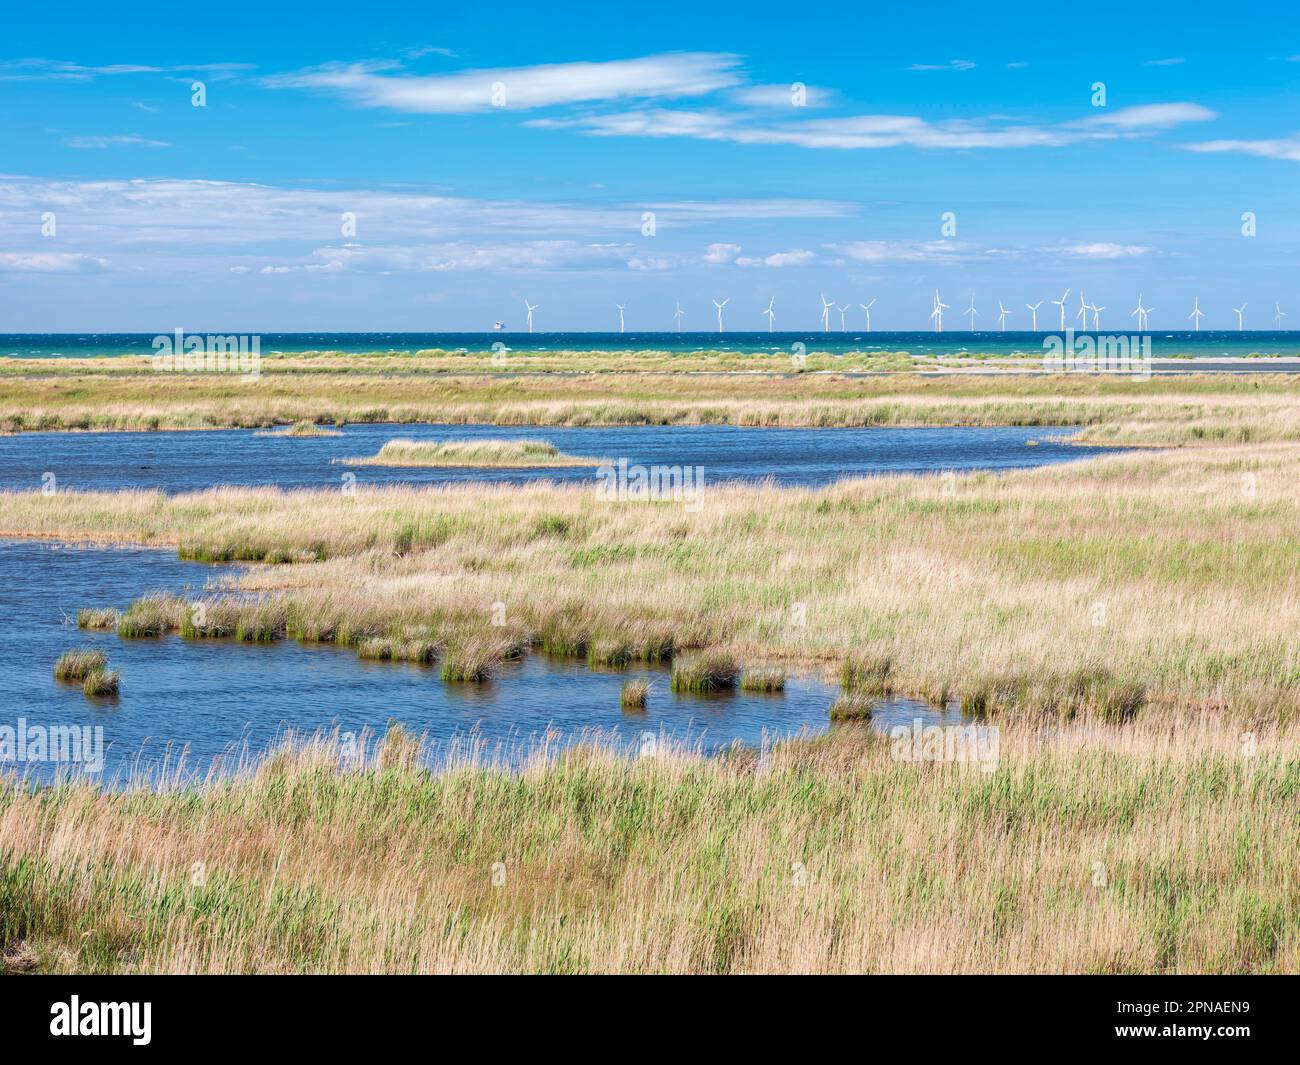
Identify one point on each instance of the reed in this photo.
(634, 694)
(101, 683)
(763, 680)
(97, 618)
(709, 672)
(480, 452)
(321, 862)
(78, 664)
(852, 707)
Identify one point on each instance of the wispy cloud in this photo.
(49, 262)
(386, 84)
(1279, 148)
(1172, 62)
(58, 70)
(906, 251)
(130, 140)
(1102, 250)
(952, 64)
(882, 131)
(781, 259)
(782, 96)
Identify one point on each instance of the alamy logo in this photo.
(976, 744)
(654, 483)
(64, 744)
(134, 1019)
(213, 353)
(1098, 353)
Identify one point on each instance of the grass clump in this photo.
(763, 680)
(634, 694)
(394, 649)
(78, 664)
(97, 618)
(851, 707)
(474, 661)
(302, 428)
(707, 673)
(101, 683)
(150, 616)
(1090, 690)
(867, 675)
(487, 452)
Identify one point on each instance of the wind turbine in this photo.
(1237, 311)
(867, 307)
(771, 314)
(937, 313)
(842, 310)
(677, 317)
(972, 312)
(720, 306)
(1197, 313)
(1033, 309)
(1002, 317)
(1096, 318)
(620, 307)
(531, 307)
(1141, 313)
(826, 313)
(1061, 303)
(1084, 307)
(1277, 318)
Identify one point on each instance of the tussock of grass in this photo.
(867, 675)
(707, 673)
(389, 649)
(150, 616)
(852, 706)
(634, 694)
(1090, 690)
(300, 429)
(481, 452)
(763, 680)
(77, 664)
(474, 661)
(97, 618)
(101, 683)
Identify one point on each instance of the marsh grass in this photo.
(867, 675)
(763, 680)
(389, 649)
(709, 672)
(101, 683)
(151, 616)
(480, 452)
(852, 707)
(634, 694)
(476, 660)
(678, 863)
(302, 429)
(75, 665)
(97, 618)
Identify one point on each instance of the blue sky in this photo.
(496, 153)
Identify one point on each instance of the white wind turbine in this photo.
(720, 306)
(1237, 311)
(1141, 313)
(1033, 309)
(1096, 318)
(1084, 307)
(677, 317)
(531, 307)
(1197, 313)
(867, 307)
(972, 312)
(1277, 318)
(620, 307)
(937, 313)
(771, 314)
(1061, 303)
(1002, 317)
(826, 313)
(842, 310)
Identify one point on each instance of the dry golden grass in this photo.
(1167, 575)
(1167, 846)
(509, 454)
(119, 394)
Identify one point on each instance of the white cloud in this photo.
(952, 64)
(50, 262)
(887, 251)
(58, 70)
(777, 260)
(1176, 62)
(780, 96)
(1105, 250)
(883, 131)
(384, 84)
(121, 141)
(1280, 148)
(718, 254)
